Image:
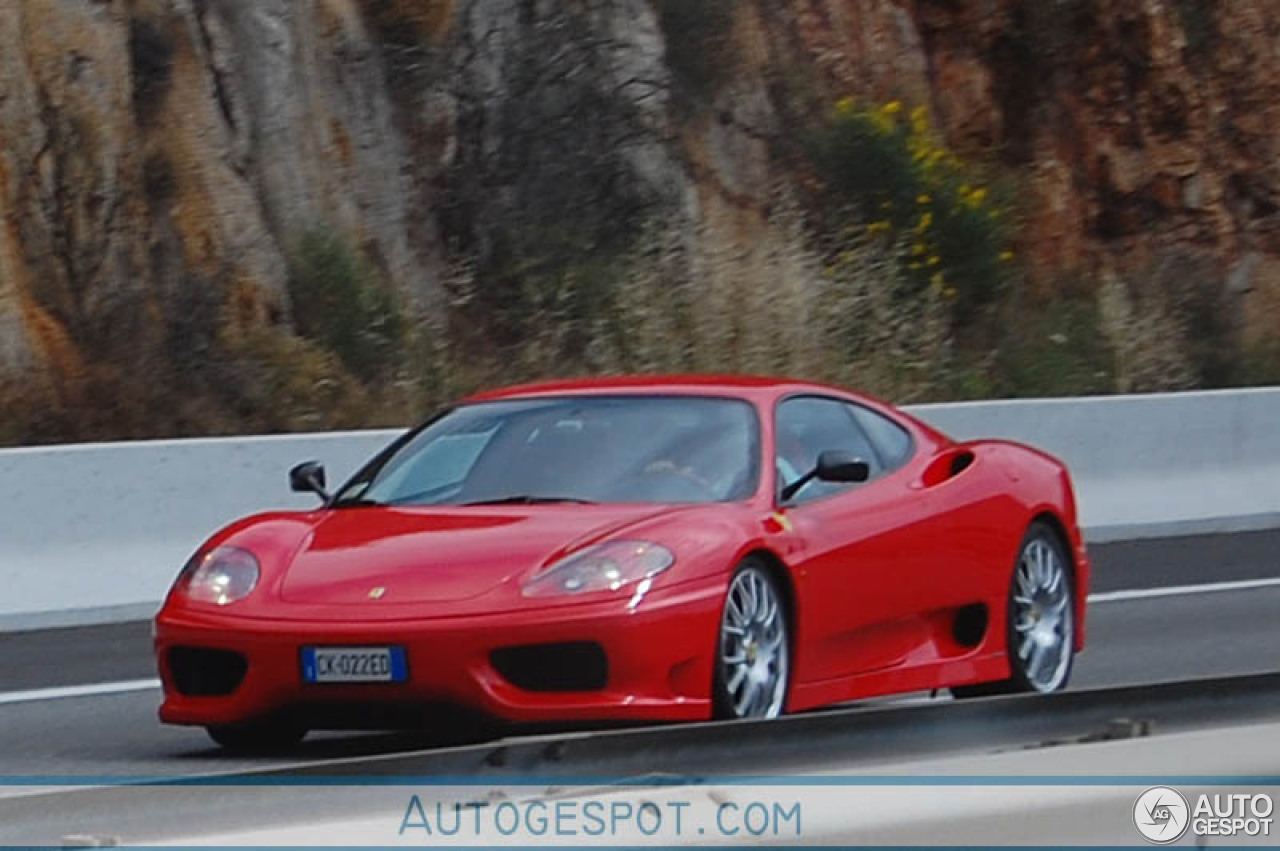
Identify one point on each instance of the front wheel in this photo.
(258, 737)
(753, 651)
(1040, 633)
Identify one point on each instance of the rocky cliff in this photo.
(176, 176)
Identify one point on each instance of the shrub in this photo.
(885, 336)
(274, 381)
(340, 303)
(887, 174)
(1054, 348)
(776, 306)
(1260, 363)
(699, 35)
(411, 35)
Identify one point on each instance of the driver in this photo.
(793, 459)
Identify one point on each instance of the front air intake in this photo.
(568, 666)
(204, 672)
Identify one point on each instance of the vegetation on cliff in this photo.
(287, 215)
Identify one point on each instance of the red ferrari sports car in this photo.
(633, 549)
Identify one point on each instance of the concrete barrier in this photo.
(1148, 466)
(96, 533)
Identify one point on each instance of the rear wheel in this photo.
(258, 737)
(1041, 633)
(753, 652)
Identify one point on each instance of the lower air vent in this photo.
(569, 666)
(202, 672)
(970, 625)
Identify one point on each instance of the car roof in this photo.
(751, 387)
(761, 391)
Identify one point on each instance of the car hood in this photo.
(444, 555)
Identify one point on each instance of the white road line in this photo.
(127, 686)
(39, 694)
(1184, 590)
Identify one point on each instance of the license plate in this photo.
(354, 665)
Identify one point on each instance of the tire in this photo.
(753, 647)
(258, 737)
(1041, 621)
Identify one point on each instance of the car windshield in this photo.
(625, 449)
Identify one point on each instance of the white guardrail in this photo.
(96, 533)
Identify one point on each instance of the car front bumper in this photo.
(659, 663)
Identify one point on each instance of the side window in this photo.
(892, 442)
(807, 426)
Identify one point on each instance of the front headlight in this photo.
(605, 567)
(221, 576)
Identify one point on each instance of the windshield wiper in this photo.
(529, 499)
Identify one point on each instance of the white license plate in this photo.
(354, 665)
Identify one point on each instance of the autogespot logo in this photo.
(1161, 815)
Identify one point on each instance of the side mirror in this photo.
(309, 477)
(842, 467)
(833, 466)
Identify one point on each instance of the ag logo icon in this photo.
(1161, 815)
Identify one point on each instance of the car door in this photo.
(864, 550)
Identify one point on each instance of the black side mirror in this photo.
(833, 466)
(842, 467)
(309, 477)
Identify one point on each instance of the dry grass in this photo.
(1149, 341)
(678, 302)
(699, 302)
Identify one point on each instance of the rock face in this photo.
(160, 158)
(556, 109)
(1153, 116)
(158, 154)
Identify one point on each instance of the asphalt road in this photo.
(1183, 635)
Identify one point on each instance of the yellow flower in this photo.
(844, 106)
(918, 249)
(977, 196)
(926, 221)
(935, 260)
(1006, 256)
(949, 292)
(878, 227)
(893, 107)
(937, 280)
(924, 198)
(920, 119)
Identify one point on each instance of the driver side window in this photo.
(807, 426)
